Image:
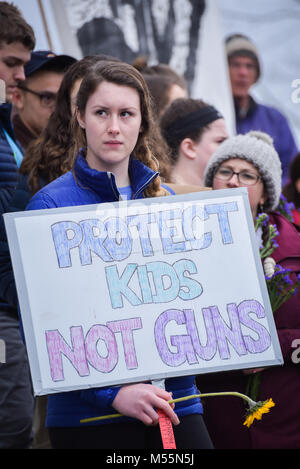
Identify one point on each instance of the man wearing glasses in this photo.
(34, 98)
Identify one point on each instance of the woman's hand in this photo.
(140, 400)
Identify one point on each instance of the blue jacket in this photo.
(83, 186)
(8, 166)
(271, 121)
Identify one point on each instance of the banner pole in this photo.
(45, 24)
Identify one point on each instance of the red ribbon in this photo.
(166, 430)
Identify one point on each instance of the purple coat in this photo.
(224, 416)
(271, 121)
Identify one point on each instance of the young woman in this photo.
(292, 189)
(193, 130)
(114, 117)
(251, 161)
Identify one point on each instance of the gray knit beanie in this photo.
(257, 148)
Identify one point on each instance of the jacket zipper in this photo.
(117, 193)
(134, 196)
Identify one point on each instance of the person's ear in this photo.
(18, 99)
(80, 118)
(297, 185)
(263, 199)
(187, 148)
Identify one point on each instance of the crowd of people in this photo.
(98, 129)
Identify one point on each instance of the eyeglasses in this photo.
(47, 99)
(246, 178)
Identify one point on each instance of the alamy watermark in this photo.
(296, 352)
(2, 351)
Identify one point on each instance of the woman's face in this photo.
(208, 144)
(256, 192)
(112, 122)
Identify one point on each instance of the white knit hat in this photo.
(257, 148)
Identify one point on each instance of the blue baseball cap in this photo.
(41, 58)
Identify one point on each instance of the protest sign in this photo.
(141, 290)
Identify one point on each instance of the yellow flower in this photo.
(257, 410)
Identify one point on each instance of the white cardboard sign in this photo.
(141, 290)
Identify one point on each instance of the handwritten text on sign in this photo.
(171, 290)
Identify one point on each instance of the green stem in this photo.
(180, 399)
(214, 394)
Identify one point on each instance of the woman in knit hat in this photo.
(251, 161)
(248, 160)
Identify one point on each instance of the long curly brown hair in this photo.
(51, 155)
(149, 148)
